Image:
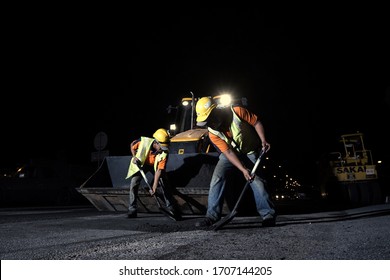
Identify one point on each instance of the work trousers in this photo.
(264, 205)
(163, 191)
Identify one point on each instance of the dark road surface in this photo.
(83, 233)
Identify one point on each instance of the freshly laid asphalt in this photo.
(83, 233)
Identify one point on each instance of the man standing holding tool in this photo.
(151, 154)
(239, 137)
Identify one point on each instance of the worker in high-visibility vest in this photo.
(239, 136)
(152, 155)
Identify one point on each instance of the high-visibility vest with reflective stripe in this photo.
(142, 153)
(244, 136)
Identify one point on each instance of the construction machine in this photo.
(190, 166)
(349, 176)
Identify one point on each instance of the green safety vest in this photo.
(244, 137)
(142, 153)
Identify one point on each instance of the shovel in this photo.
(160, 207)
(228, 218)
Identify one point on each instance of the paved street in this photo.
(83, 233)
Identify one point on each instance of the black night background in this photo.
(310, 75)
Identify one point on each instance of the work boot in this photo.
(269, 221)
(132, 214)
(206, 222)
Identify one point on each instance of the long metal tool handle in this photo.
(160, 207)
(150, 187)
(225, 220)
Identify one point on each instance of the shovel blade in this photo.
(168, 214)
(225, 220)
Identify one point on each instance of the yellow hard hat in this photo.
(203, 108)
(162, 137)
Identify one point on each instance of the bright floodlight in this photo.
(225, 99)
